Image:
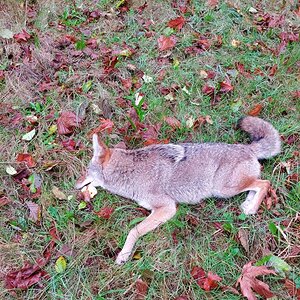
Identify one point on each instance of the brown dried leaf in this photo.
(4, 200)
(166, 42)
(173, 122)
(249, 283)
(141, 289)
(67, 122)
(243, 236)
(105, 212)
(34, 211)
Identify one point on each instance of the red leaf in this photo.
(173, 122)
(141, 8)
(67, 122)
(225, 86)
(177, 23)
(29, 274)
(292, 289)
(54, 233)
(4, 200)
(69, 144)
(127, 83)
(208, 90)
(23, 36)
(249, 283)
(181, 5)
(141, 288)
(166, 42)
(105, 212)
(211, 282)
(212, 3)
(273, 70)
(25, 277)
(109, 64)
(2, 75)
(255, 111)
(105, 125)
(296, 94)
(198, 273)
(241, 68)
(27, 158)
(206, 282)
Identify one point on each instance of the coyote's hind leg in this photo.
(257, 191)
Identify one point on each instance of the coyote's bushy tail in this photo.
(265, 138)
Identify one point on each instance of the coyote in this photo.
(158, 177)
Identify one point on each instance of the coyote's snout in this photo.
(158, 177)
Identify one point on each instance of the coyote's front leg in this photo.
(157, 217)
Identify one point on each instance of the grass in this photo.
(88, 242)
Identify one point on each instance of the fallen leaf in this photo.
(273, 70)
(27, 158)
(11, 170)
(4, 200)
(177, 23)
(250, 284)
(243, 237)
(67, 122)
(141, 289)
(166, 42)
(105, 212)
(106, 125)
(255, 111)
(212, 3)
(82, 205)
(225, 86)
(208, 90)
(29, 135)
(24, 278)
(34, 211)
(30, 274)
(141, 8)
(60, 265)
(173, 122)
(21, 37)
(206, 282)
(292, 289)
(58, 193)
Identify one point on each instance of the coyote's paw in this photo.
(248, 209)
(122, 258)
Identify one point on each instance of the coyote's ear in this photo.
(101, 151)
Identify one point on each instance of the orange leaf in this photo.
(27, 158)
(255, 111)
